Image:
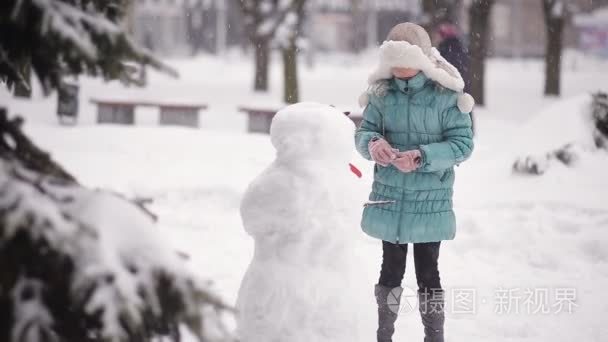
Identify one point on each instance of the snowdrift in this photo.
(565, 132)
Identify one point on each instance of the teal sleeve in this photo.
(371, 127)
(457, 144)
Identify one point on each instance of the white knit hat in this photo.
(409, 46)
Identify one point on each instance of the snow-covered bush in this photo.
(580, 125)
(539, 164)
(536, 165)
(87, 265)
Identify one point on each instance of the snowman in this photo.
(301, 212)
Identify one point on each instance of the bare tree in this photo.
(479, 15)
(555, 17)
(262, 20)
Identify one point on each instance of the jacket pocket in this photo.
(378, 203)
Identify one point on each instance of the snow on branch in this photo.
(274, 15)
(62, 37)
(556, 9)
(267, 17)
(80, 264)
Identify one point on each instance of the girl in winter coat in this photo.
(416, 128)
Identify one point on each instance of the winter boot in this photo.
(388, 299)
(431, 306)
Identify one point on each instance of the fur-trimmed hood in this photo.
(402, 54)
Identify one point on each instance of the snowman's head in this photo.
(312, 131)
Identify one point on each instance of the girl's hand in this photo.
(407, 161)
(381, 152)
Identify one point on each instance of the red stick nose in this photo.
(354, 170)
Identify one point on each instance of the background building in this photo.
(177, 27)
(518, 27)
(352, 25)
(593, 31)
(186, 27)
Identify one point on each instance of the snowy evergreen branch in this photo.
(80, 264)
(61, 37)
(16, 145)
(84, 265)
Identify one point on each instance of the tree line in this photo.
(277, 22)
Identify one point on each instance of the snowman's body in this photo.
(300, 285)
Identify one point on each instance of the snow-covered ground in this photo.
(516, 233)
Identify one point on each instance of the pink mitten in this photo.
(407, 161)
(381, 152)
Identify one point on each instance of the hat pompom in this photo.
(466, 102)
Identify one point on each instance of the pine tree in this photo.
(77, 264)
(58, 38)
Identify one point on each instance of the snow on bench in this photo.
(171, 113)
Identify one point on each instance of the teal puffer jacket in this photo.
(415, 114)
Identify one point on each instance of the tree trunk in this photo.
(479, 14)
(554, 23)
(262, 61)
(290, 73)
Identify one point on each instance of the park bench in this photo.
(260, 118)
(123, 112)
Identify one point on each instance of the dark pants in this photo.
(426, 256)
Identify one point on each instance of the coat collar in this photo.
(410, 85)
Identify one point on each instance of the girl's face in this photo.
(405, 72)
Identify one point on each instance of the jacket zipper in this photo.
(409, 98)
